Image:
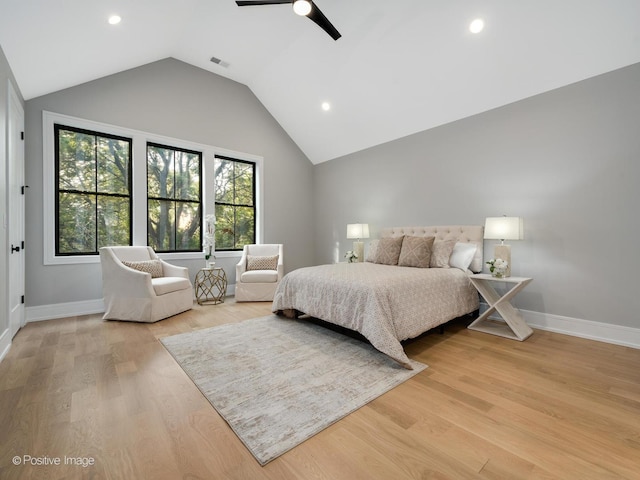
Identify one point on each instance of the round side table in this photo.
(211, 286)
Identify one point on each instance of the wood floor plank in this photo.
(552, 407)
(532, 413)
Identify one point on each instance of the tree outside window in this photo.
(235, 204)
(174, 199)
(93, 190)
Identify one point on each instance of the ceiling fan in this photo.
(305, 8)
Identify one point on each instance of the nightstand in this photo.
(514, 326)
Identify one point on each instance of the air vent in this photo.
(217, 61)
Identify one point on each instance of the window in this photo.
(93, 190)
(174, 199)
(235, 203)
(105, 184)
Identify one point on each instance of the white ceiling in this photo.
(401, 66)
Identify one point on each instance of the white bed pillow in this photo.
(462, 255)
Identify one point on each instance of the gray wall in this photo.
(172, 98)
(568, 161)
(6, 76)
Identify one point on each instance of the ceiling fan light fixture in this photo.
(302, 7)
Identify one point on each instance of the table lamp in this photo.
(358, 231)
(503, 228)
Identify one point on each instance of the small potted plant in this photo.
(208, 256)
(498, 267)
(351, 256)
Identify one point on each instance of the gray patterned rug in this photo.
(278, 382)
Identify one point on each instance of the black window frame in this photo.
(199, 201)
(57, 127)
(253, 206)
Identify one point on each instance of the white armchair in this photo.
(147, 290)
(259, 272)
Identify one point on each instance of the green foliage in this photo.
(93, 191)
(173, 188)
(235, 204)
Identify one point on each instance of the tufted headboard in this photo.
(460, 233)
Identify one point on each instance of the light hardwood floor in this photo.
(552, 407)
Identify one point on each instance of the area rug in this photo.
(278, 382)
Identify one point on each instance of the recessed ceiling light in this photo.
(114, 19)
(326, 106)
(476, 26)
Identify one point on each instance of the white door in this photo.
(15, 149)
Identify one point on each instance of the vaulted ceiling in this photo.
(401, 66)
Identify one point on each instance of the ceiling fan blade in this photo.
(323, 22)
(241, 3)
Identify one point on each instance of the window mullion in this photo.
(95, 169)
(235, 208)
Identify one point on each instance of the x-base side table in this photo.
(514, 327)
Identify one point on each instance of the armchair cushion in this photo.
(154, 267)
(255, 262)
(259, 276)
(164, 285)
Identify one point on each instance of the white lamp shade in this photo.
(358, 230)
(503, 228)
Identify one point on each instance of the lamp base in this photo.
(504, 252)
(358, 249)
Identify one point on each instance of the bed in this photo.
(388, 303)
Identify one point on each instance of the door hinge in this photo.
(21, 135)
(22, 299)
(22, 243)
(23, 187)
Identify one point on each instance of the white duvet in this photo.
(386, 304)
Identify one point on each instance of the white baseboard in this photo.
(602, 332)
(73, 309)
(5, 343)
(63, 310)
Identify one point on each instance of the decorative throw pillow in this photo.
(388, 250)
(462, 255)
(371, 253)
(416, 252)
(441, 252)
(154, 267)
(255, 262)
